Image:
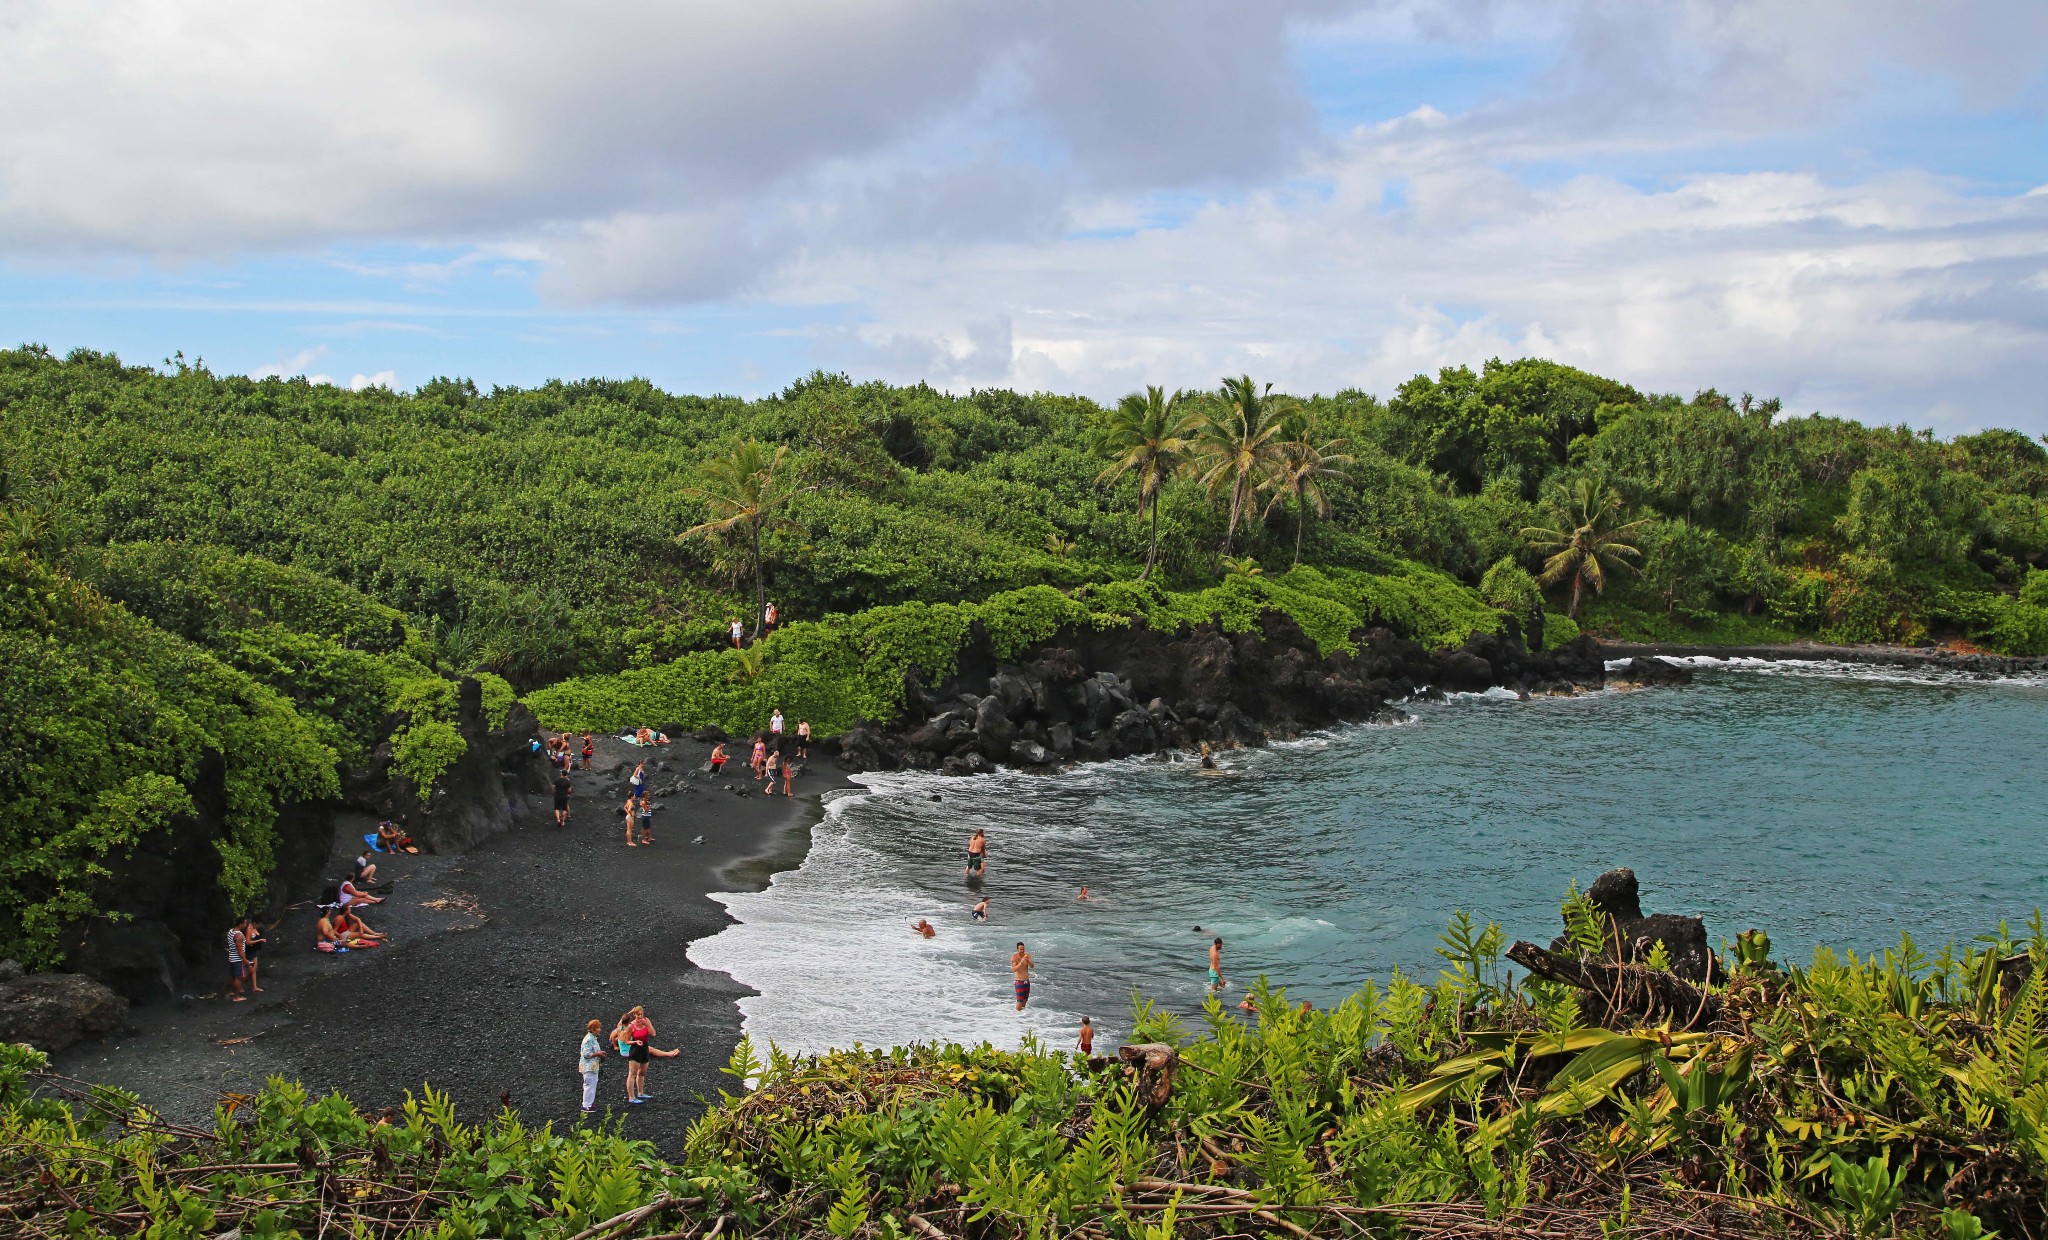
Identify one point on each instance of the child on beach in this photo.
(788, 776)
(646, 819)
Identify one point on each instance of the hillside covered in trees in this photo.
(291, 575)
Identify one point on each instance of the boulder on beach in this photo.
(51, 1011)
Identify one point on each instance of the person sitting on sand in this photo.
(347, 920)
(718, 759)
(365, 871)
(392, 838)
(924, 928)
(349, 895)
(333, 932)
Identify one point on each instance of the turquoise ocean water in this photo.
(1820, 802)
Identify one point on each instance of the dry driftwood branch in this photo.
(1633, 990)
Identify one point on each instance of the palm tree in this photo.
(1304, 462)
(1241, 445)
(1588, 541)
(742, 491)
(1149, 435)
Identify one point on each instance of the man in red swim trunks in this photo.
(1020, 966)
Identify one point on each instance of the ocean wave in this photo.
(1931, 675)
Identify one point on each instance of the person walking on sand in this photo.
(632, 805)
(788, 776)
(760, 758)
(639, 780)
(1020, 967)
(1085, 1040)
(769, 771)
(562, 790)
(803, 738)
(589, 1060)
(977, 854)
(589, 749)
(1217, 981)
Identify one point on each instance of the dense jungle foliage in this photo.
(1896, 1095)
(214, 550)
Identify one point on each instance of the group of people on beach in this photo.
(633, 1039)
(340, 926)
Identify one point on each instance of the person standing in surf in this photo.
(977, 854)
(1020, 967)
(1216, 979)
(1085, 1040)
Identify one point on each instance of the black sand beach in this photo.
(497, 958)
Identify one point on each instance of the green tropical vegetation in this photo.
(1901, 1094)
(294, 576)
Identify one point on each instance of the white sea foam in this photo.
(830, 949)
(1930, 674)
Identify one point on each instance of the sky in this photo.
(1842, 203)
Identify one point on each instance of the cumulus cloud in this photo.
(1067, 194)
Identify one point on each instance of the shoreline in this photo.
(1876, 656)
(499, 954)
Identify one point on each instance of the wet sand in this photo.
(497, 958)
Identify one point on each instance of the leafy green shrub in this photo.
(109, 717)
(1510, 588)
(1476, 1102)
(423, 751)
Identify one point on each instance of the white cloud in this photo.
(292, 366)
(387, 379)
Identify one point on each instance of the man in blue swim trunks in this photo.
(1020, 966)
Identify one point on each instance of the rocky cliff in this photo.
(1088, 694)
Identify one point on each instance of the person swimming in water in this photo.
(924, 928)
(981, 910)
